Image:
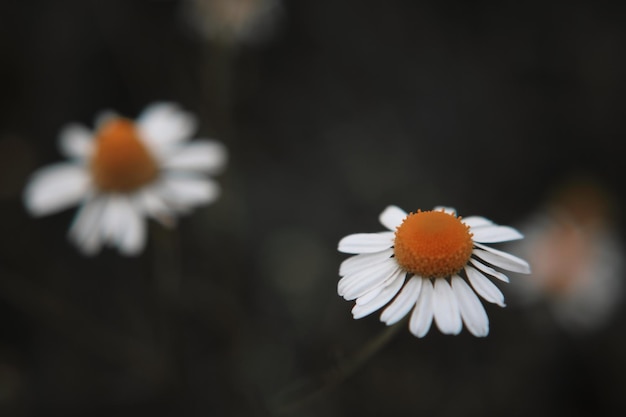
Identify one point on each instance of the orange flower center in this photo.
(121, 162)
(433, 244)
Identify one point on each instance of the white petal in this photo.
(112, 222)
(445, 209)
(422, 315)
(185, 192)
(163, 125)
(472, 311)
(153, 205)
(392, 217)
(501, 259)
(366, 242)
(492, 234)
(476, 221)
(488, 270)
(132, 238)
(370, 294)
(356, 285)
(484, 287)
(56, 187)
(357, 263)
(446, 309)
(76, 141)
(122, 225)
(85, 229)
(403, 303)
(362, 309)
(207, 156)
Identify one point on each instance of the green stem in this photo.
(333, 377)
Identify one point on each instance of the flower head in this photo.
(234, 21)
(577, 256)
(430, 264)
(125, 171)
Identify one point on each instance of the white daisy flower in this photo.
(577, 257)
(235, 21)
(126, 171)
(430, 264)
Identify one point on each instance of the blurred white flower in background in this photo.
(432, 263)
(234, 21)
(125, 171)
(577, 258)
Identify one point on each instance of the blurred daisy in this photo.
(430, 264)
(125, 171)
(578, 266)
(234, 21)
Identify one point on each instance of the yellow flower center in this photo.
(433, 244)
(121, 162)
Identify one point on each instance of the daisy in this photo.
(577, 257)
(234, 21)
(430, 264)
(126, 171)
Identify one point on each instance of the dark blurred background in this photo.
(331, 110)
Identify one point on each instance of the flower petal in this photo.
(132, 237)
(392, 217)
(151, 203)
(356, 285)
(422, 316)
(488, 270)
(484, 287)
(446, 209)
(472, 311)
(207, 156)
(112, 222)
(446, 308)
(476, 221)
(56, 187)
(403, 303)
(366, 242)
(492, 234)
(85, 229)
(122, 225)
(375, 291)
(184, 192)
(76, 142)
(501, 259)
(163, 125)
(362, 309)
(357, 263)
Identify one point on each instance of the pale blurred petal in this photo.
(164, 125)
(76, 142)
(55, 188)
(85, 229)
(207, 156)
(185, 192)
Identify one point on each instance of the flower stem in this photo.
(331, 378)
